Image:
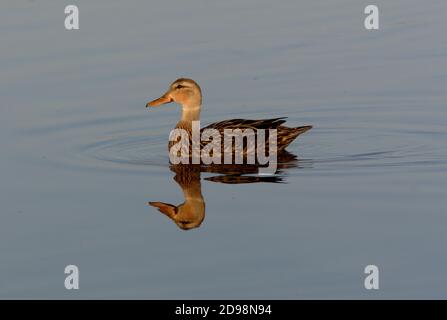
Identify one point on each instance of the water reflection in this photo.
(191, 213)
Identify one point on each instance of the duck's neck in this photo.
(189, 115)
(193, 192)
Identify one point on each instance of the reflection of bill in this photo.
(238, 147)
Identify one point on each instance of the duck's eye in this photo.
(179, 86)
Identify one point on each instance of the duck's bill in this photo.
(158, 102)
(165, 208)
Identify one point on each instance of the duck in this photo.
(187, 93)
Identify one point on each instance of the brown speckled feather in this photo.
(285, 135)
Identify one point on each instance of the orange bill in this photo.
(157, 102)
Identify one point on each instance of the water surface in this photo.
(81, 157)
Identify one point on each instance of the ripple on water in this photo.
(322, 149)
(131, 145)
(334, 149)
(133, 149)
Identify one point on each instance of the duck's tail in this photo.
(286, 135)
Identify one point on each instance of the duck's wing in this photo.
(246, 124)
(248, 127)
(285, 135)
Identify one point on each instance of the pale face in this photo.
(185, 92)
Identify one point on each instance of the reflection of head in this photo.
(191, 212)
(187, 215)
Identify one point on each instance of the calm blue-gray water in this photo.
(81, 157)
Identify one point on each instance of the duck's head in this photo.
(185, 92)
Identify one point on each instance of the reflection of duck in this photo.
(191, 213)
(187, 93)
